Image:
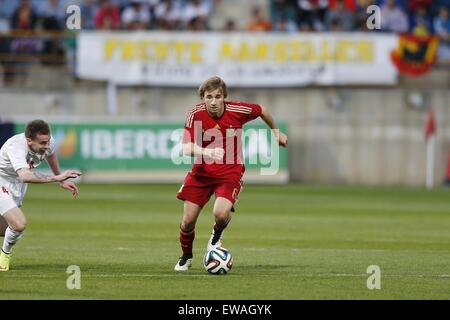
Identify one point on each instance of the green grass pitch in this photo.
(288, 242)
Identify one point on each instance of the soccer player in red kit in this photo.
(212, 134)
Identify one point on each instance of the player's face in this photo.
(214, 101)
(40, 144)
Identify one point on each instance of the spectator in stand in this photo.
(196, 24)
(312, 12)
(442, 29)
(339, 18)
(24, 17)
(365, 3)
(121, 4)
(52, 15)
(152, 4)
(52, 21)
(195, 15)
(349, 5)
(438, 4)
(361, 5)
(54, 8)
(283, 15)
(7, 8)
(257, 21)
(414, 5)
(334, 25)
(211, 3)
(442, 24)
(136, 16)
(88, 11)
(108, 16)
(393, 18)
(403, 4)
(305, 27)
(361, 14)
(151, 8)
(23, 49)
(421, 24)
(285, 24)
(230, 26)
(168, 15)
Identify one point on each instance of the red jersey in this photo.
(224, 132)
(108, 18)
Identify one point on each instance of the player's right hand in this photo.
(282, 139)
(215, 153)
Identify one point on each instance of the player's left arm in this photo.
(53, 162)
(270, 121)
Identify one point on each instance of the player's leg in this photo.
(195, 192)
(4, 261)
(16, 222)
(3, 226)
(187, 234)
(226, 196)
(222, 216)
(16, 226)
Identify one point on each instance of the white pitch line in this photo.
(310, 275)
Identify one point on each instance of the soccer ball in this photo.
(218, 261)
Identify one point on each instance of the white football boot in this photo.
(213, 242)
(183, 264)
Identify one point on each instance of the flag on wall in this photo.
(430, 128)
(415, 55)
(430, 138)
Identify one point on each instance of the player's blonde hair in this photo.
(212, 84)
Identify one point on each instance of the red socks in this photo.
(186, 240)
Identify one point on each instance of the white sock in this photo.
(11, 237)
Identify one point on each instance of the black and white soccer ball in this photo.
(218, 261)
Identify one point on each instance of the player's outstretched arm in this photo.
(53, 162)
(268, 119)
(28, 176)
(192, 149)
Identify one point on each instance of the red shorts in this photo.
(199, 189)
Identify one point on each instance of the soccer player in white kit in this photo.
(19, 155)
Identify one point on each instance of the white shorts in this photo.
(11, 194)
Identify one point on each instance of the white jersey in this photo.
(14, 155)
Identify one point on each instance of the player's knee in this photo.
(18, 225)
(187, 226)
(221, 216)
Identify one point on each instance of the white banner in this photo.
(241, 59)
